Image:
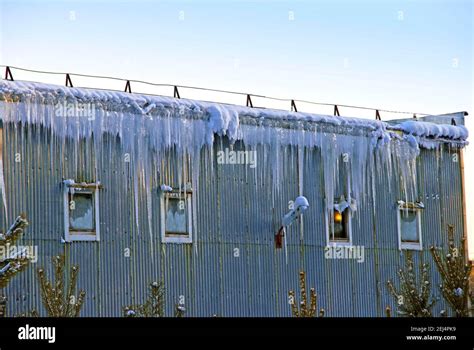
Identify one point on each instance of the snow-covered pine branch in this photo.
(11, 264)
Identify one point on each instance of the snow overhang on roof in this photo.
(226, 119)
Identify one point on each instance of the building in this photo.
(136, 188)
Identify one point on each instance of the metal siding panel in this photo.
(236, 208)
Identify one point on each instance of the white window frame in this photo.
(75, 236)
(417, 208)
(180, 239)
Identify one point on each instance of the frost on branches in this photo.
(11, 264)
(414, 297)
(153, 307)
(455, 270)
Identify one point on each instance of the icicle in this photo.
(148, 182)
(300, 169)
(195, 171)
(300, 151)
(135, 193)
(2, 183)
(147, 124)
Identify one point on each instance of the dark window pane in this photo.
(339, 227)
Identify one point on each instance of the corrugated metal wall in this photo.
(236, 212)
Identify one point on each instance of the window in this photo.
(176, 216)
(409, 225)
(339, 221)
(81, 211)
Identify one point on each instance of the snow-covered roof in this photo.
(223, 119)
(148, 126)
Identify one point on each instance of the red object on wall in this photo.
(279, 238)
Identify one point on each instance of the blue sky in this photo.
(414, 55)
(404, 55)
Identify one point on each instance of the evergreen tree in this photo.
(304, 310)
(153, 307)
(455, 270)
(414, 297)
(11, 263)
(58, 300)
(179, 310)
